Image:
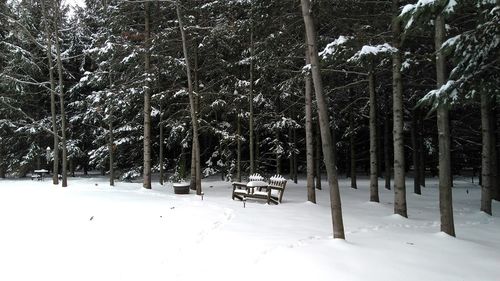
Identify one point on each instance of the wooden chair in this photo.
(241, 190)
(276, 188)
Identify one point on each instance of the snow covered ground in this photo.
(90, 231)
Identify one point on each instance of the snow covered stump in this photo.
(181, 187)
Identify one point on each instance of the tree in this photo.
(326, 139)
(48, 34)
(194, 118)
(147, 98)
(398, 117)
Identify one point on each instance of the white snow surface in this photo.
(91, 231)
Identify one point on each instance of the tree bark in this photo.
(486, 195)
(443, 123)
(55, 169)
(250, 99)
(61, 101)
(311, 192)
(398, 116)
(194, 118)
(238, 142)
(422, 151)
(387, 156)
(162, 139)
(374, 196)
(331, 169)
(353, 151)
(493, 145)
(317, 159)
(295, 164)
(111, 155)
(147, 100)
(416, 152)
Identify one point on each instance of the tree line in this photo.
(188, 89)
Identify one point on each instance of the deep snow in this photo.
(90, 231)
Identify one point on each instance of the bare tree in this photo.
(311, 192)
(398, 137)
(61, 98)
(194, 118)
(445, 198)
(250, 97)
(486, 192)
(147, 99)
(48, 34)
(326, 137)
(373, 136)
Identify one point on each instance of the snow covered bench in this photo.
(272, 191)
(240, 189)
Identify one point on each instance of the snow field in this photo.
(90, 231)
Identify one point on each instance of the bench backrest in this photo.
(255, 177)
(277, 180)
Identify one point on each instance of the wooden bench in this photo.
(240, 189)
(272, 191)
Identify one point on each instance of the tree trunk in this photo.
(445, 194)
(353, 151)
(421, 150)
(290, 160)
(387, 156)
(311, 192)
(238, 142)
(331, 169)
(111, 155)
(486, 155)
(55, 171)
(147, 100)
(250, 99)
(162, 139)
(194, 118)
(493, 145)
(373, 137)
(295, 164)
(61, 101)
(278, 156)
(398, 116)
(416, 152)
(317, 159)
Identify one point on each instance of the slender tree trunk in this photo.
(295, 165)
(162, 145)
(290, 140)
(311, 192)
(373, 137)
(398, 116)
(387, 156)
(55, 169)
(111, 155)
(445, 194)
(486, 193)
(326, 138)
(421, 150)
(278, 156)
(250, 99)
(147, 100)
(494, 157)
(61, 101)
(416, 152)
(194, 118)
(353, 151)
(317, 159)
(238, 142)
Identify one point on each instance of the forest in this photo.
(171, 90)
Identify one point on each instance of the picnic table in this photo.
(39, 174)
